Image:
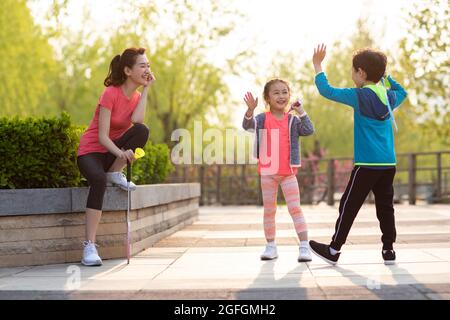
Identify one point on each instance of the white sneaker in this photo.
(305, 255)
(119, 179)
(270, 253)
(90, 255)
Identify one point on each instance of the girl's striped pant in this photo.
(289, 186)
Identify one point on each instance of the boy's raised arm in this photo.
(397, 91)
(343, 95)
(319, 54)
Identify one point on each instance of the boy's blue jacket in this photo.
(373, 134)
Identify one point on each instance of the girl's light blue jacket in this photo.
(297, 127)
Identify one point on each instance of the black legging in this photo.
(93, 166)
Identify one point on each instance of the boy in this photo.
(374, 153)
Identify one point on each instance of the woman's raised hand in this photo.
(150, 79)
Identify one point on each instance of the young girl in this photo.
(278, 153)
(116, 130)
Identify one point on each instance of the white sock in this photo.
(304, 244)
(271, 243)
(333, 252)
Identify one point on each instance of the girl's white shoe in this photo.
(269, 253)
(304, 255)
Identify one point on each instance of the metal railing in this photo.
(420, 176)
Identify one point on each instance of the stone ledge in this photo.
(46, 226)
(63, 200)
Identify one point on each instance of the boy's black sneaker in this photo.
(388, 256)
(323, 251)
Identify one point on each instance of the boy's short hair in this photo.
(373, 62)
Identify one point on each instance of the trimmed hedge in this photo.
(38, 153)
(156, 161)
(41, 153)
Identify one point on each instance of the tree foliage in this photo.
(425, 66)
(27, 63)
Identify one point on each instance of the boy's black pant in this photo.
(362, 181)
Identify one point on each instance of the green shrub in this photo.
(154, 167)
(38, 152)
(41, 153)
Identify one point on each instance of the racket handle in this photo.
(128, 171)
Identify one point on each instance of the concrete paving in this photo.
(218, 258)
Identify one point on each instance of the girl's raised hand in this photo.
(319, 54)
(251, 102)
(297, 106)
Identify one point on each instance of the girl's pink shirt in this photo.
(121, 108)
(271, 123)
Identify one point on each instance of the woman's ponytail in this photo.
(116, 75)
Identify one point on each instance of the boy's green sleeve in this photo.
(342, 95)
